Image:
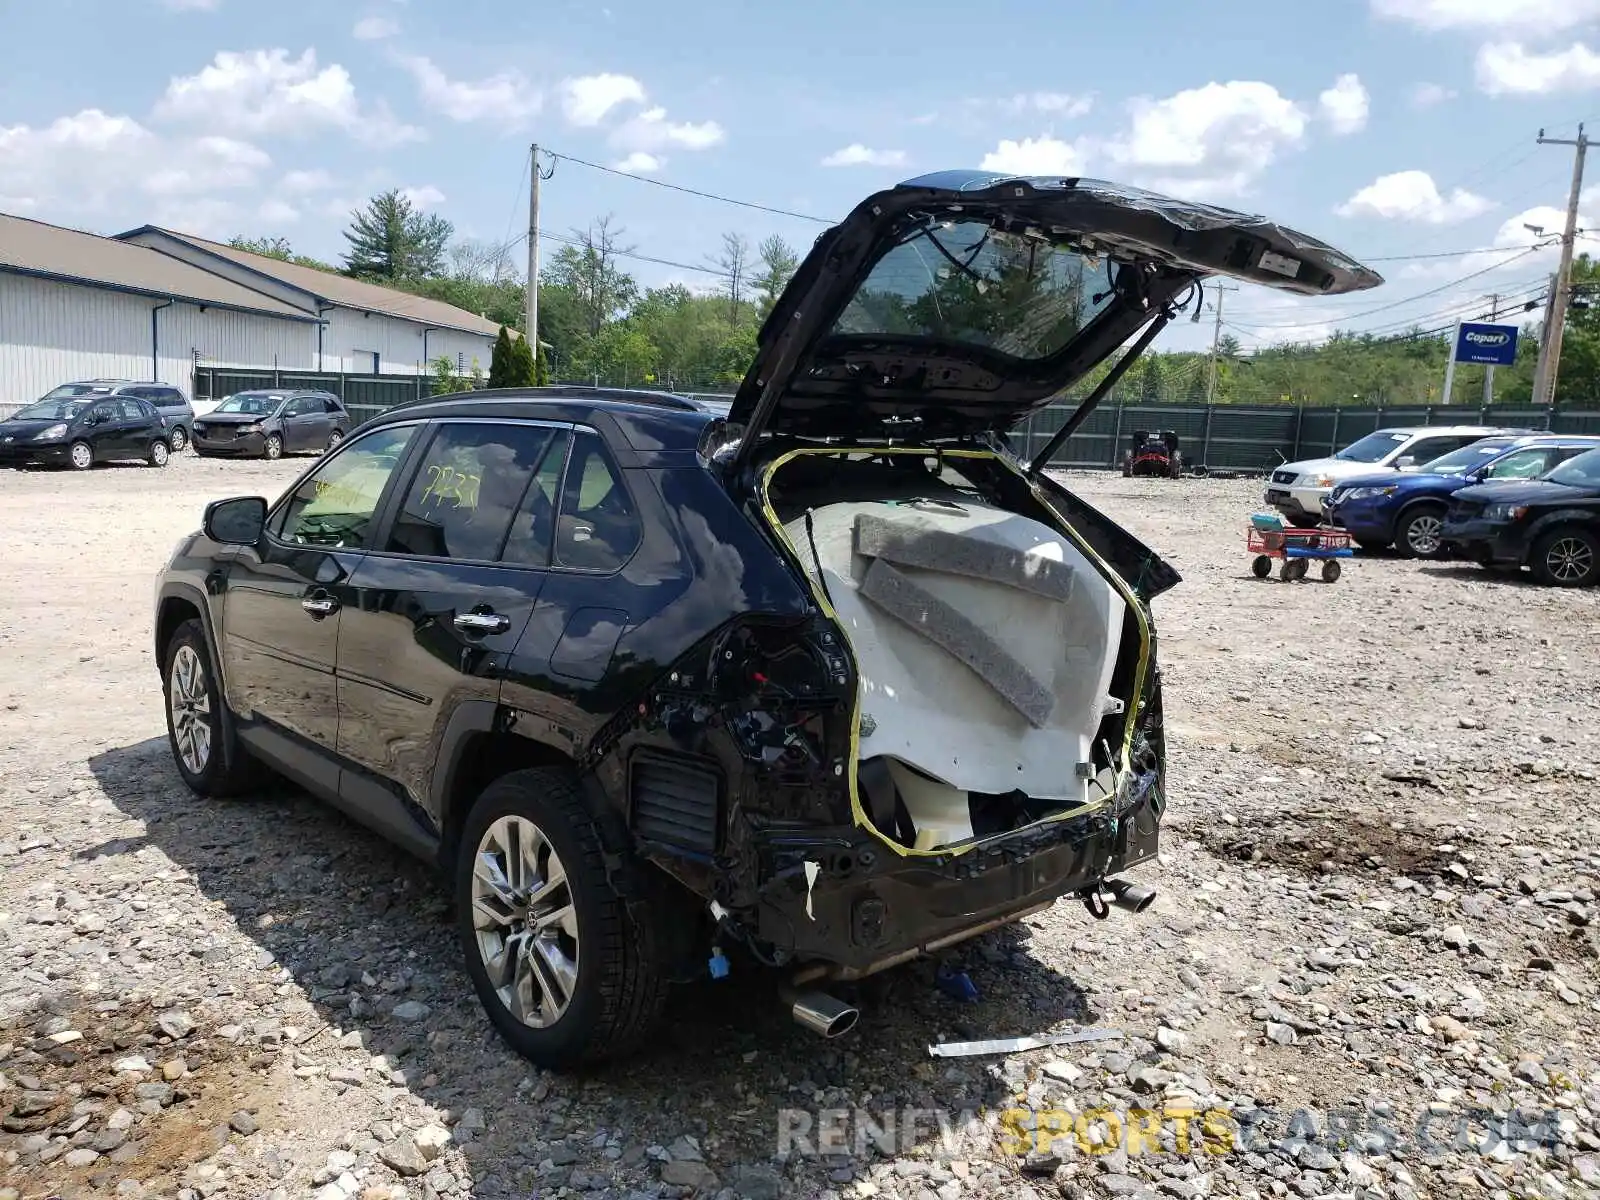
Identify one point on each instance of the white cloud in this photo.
(1345, 105)
(639, 163)
(1482, 16)
(507, 98)
(1426, 95)
(1213, 140)
(857, 155)
(278, 212)
(1413, 196)
(1035, 156)
(375, 29)
(1059, 104)
(265, 91)
(588, 99)
(425, 197)
(651, 131)
(1507, 68)
(306, 181)
(95, 163)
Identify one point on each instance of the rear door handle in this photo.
(320, 606)
(482, 622)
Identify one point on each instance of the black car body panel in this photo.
(478, 583)
(1501, 522)
(823, 369)
(115, 428)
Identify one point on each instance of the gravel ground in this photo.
(1373, 961)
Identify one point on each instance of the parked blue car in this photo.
(1406, 509)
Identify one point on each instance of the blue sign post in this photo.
(1488, 346)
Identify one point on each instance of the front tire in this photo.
(210, 762)
(81, 456)
(273, 447)
(568, 972)
(1566, 557)
(159, 454)
(1417, 532)
(334, 439)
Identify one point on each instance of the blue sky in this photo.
(1388, 127)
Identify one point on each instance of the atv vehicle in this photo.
(1151, 457)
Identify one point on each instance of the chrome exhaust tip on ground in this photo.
(821, 1013)
(1131, 897)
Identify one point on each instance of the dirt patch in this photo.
(93, 1098)
(1329, 843)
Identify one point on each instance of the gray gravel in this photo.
(1373, 961)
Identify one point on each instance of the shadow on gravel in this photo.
(362, 927)
(1472, 573)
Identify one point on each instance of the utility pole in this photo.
(1551, 350)
(1488, 371)
(533, 252)
(1216, 338)
(1544, 340)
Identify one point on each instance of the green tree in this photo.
(279, 249)
(588, 268)
(500, 360)
(778, 265)
(521, 371)
(541, 369)
(391, 241)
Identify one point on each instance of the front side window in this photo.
(1582, 471)
(1425, 449)
(302, 406)
(335, 505)
(598, 529)
(466, 490)
(1523, 464)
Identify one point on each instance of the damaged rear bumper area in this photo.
(841, 908)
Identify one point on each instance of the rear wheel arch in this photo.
(474, 753)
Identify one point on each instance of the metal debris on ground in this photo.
(1017, 1045)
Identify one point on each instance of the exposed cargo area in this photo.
(985, 643)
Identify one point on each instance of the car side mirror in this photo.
(1405, 462)
(238, 521)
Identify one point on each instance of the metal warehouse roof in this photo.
(33, 248)
(340, 289)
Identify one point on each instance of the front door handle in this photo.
(482, 622)
(320, 606)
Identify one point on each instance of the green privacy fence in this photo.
(1221, 437)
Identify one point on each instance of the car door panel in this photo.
(436, 615)
(588, 646)
(285, 600)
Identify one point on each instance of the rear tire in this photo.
(210, 762)
(160, 455)
(1261, 567)
(1566, 557)
(1416, 533)
(179, 440)
(586, 977)
(1331, 571)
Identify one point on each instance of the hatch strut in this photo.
(1092, 400)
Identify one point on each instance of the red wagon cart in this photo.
(1268, 538)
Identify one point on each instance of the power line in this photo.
(781, 212)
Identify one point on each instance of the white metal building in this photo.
(77, 306)
(367, 329)
(148, 304)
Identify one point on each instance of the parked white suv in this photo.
(1297, 489)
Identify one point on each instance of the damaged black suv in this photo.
(825, 684)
